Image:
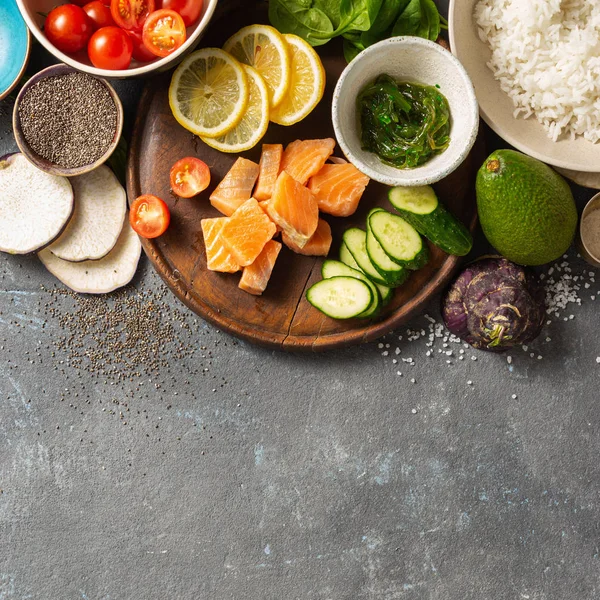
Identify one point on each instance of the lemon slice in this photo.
(263, 48)
(253, 126)
(307, 83)
(209, 92)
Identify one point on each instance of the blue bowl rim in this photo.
(11, 87)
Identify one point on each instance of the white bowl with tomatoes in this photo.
(118, 38)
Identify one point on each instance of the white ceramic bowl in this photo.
(497, 108)
(416, 60)
(31, 9)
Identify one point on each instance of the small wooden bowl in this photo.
(36, 159)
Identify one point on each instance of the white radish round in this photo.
(113, 271)
(35, 207)
(97, 221)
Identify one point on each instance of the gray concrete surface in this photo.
(202, 467)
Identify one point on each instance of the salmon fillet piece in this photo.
(236, 187)
(304, 158)
(338, 189)
(318, 245)
(256, 276)
(246, 232)
(218, 257)
(294, 209)
(270, 162)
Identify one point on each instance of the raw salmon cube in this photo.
(318, 245)
(218, 257)
(256, 276)
(338, 189)
(304, 158)
(270, 162)
(246, 232)
(236, 187)
(293, 207)
(264, 204)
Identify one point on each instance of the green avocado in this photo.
(526, 210)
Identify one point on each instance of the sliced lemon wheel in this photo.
(253, 126)
(209, 92)
(307, 83)
(263, 48)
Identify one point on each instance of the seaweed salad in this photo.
(405, 124)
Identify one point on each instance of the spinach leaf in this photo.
(409, 20)
(381, 28)
(351, 50)
(301, 18)
(331, 9)
(358, 14)
(430, 21)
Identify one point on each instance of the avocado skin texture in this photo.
(526, 210)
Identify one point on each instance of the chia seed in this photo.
(70, 120)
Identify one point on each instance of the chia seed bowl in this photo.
(47, 141)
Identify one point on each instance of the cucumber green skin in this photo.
(371, 276)
(393, 278)
(418, 262)
(385, 292)
(335, 268)
(311, 290)
(441, 228)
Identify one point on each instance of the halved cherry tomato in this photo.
(189, 10)
(149, 216)
(189, 176)
(110, 48)
(164, 32)
(99, 14)
(131, 14)
(68, 28)
(140, 52)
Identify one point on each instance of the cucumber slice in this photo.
(335, 268)
(420, 207)
(385, 292)
(393, 273)
(347, 258)
(340, 297)
(419, 200)
(399, 240)
(356, 242)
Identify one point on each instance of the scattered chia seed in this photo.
(70, 120)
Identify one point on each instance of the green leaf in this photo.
(351, 50)
(430, 20)
(331, 9)
(301, 18)
(409, 20)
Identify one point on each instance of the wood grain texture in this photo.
(281, 317)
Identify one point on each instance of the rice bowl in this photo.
(566, 114)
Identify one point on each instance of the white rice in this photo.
(546, 56)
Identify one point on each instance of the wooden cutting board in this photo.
(280, 318)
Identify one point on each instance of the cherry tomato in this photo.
(189, 10)
(99, 14)
(110, 48)
(189, 176)
(140, 52)
(149, 216)
(68, 28)
(131, 14)
(164, 32)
